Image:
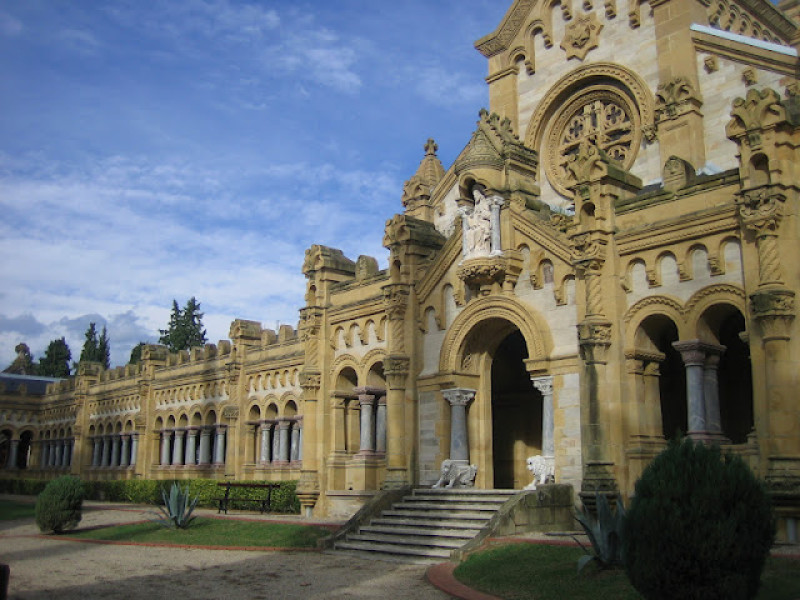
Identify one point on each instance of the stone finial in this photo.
(417, 190)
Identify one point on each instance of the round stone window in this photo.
(599, 115)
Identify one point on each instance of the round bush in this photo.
(58, 507)
(700, 526)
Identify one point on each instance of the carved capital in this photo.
(774, 312)
(594, 339)
(395, 299)
(459, 396)
(544, 385)
(396, 369)
(757, 111)
(588, 251)
(310, 382)
(761, 210)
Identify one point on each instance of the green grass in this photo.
(10, 510)
(527, 571)
(213, 532)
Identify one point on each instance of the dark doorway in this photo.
(735, 381)
(516, 414)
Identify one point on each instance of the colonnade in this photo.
(188, 446)
(56, 453)
(701, 360)
(280, 441)
(115, 450)
(366, 412)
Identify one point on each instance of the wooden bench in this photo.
(231, 498)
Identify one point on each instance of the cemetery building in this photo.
(611, 261)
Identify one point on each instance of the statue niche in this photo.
(481, 225)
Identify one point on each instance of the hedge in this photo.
(148, 491)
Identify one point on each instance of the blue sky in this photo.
(178, 148)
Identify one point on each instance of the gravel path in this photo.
(51, 567)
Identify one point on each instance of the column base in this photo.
(708, 437)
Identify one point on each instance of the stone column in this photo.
(300, 440)
(283, 438)
(459, 399)
(105, 461)
(67, 458)
(191, 446)
(495, 203)
(13, 450)
(699, 381)
(711, 390)
(367, 437)
(125, 453)
(545, 387)
(205, 446)
(380, 426)
(276, 443)
(58, 453)
(166, 436)
(294, 444)
(339, 431)
(219, 446)
(96, 448)
(396, 369)
(115, 458)
(177, 447)
(265, 444)
(44, 456)
(134, 448)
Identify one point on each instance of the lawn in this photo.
(212, 532)
(10, 510)
(527, 571)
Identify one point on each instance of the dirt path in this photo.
(56, 568)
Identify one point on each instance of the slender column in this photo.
(66, 459)
(134, 448)
(205, 446)
(380, 426)
(115, 454)
(294, 444)
(651, 417)
(693, 356)
(459, 399)
(44, 456)
(13, 450)
(367, 432)
(191, 446)
(219, 446)
(300, 440)
(711, 390)
(166, 435)
(59, 453)
(96, 447)
(545, 387)
(125, 453)
(265, 448)
(276, 443)
(283, 427)
(54, 452)
(495, 203)
(106, 456)
(339, 431)
(177, 447)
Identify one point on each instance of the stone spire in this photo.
(417, 190)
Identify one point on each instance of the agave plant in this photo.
(605, 534)
(178, 507)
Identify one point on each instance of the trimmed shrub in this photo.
(58, 507)
(700, 526)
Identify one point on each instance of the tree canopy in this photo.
(55, 362)
(136, 353)
(23, 363)
(96, 349)
(185, 329)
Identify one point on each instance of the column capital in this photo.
(459, 396)
(694, 352)
(543, 384)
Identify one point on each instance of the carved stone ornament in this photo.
(750, 76)
(456, 474)
(674, 98)
(774, 311)
(594, 338)
(711, 63)
(230, 412)
(580, 36)
(310, 381)
(761, 210)
(758, 110)
(543, 470)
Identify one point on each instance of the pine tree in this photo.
(89, 352)
(23, 363)
(104, 349)
(185, 329)
(55, 362)
(136, 354)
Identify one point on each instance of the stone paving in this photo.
(45, 567)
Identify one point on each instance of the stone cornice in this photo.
(687, 227)
(364, 308)
(544, 236)
(500, 38)
(747, 54)
(771, 15)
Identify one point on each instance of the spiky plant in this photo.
(178, 507)
(605, 533)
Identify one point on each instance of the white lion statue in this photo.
(543, 470)
(456, 474)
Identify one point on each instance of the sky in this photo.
(152, 151)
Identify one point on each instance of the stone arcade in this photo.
(609, 261)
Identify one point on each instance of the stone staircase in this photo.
(428, 524)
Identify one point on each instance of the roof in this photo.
(33, 383)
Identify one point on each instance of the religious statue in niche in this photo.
(481, 224)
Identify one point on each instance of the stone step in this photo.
(439, 514)
(469, 524)
(396, 549)
(455, 493)
(447, 500)
(407, 540)
(449, 506)
(463, 534)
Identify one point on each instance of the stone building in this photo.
(608, 262)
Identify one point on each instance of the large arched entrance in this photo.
(516, 409)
